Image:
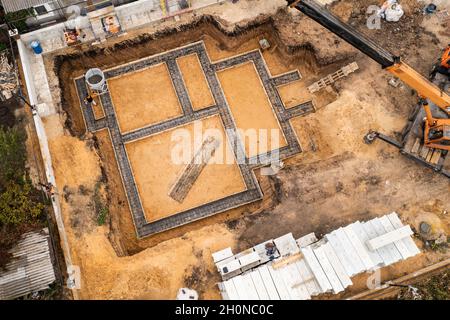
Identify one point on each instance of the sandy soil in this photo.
(295, 93)
(156, 169)
(336, 180)
(195, 81)
(144, 97)
(99, 113)
(251, 109)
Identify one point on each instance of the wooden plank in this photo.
(436, 156)
(363, 236)
(316, 269)
(328, 270)
(398, 244)
(350, 250)
(337, 266)
(341, 254)
(268, 283)
(259, 285)
(429, 155)
(409, 242)
(359, 248)
(416, 146)
(424, 152)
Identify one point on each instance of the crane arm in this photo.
(387, 60)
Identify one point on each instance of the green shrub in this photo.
(17, 206)
(17, 19)
(12, 155)
(102, 214)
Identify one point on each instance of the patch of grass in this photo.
(21, 208)
(101, 208)
(436, 287)
(101, 217)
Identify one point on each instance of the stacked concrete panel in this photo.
(327, 265)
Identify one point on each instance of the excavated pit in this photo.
(221, 43)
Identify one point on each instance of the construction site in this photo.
(316, 178)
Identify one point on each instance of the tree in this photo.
(12, 155)
(17, 206)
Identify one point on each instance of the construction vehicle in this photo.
(443, 65)
(426, 138)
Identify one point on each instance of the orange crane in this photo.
(436, 132)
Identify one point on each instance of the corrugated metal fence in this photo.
(31, 267)
(16, 5)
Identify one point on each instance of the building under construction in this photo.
(276, 132)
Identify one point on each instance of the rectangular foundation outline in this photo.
(118, 139)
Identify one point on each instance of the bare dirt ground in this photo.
(195, 81)
(251, 109)
(336, 180)
(143, 98)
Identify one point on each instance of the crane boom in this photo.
(387, 60)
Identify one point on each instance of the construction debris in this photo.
(187, 294)
(332, 78)
(8, 79)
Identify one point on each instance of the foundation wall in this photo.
(45, 152)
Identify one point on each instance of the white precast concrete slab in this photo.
(286, 245)
(290, 282)
(283, 292)
(310, 281)
(337, 266)
(359, 248)
(341, 253)
(408, 241)
(262, 251)
(388, 238)
(350, 251)
(384, 253)
(230, 290)
(222, 255)
(390, 246)
(249, 259)
(363, 236)
(305, 241)
(250, 286)
(259, 285)
(328, 269)
(316, 269)
(241, 288)
(401, 247)
(268, 283)
(230, 267)
(297, 282)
